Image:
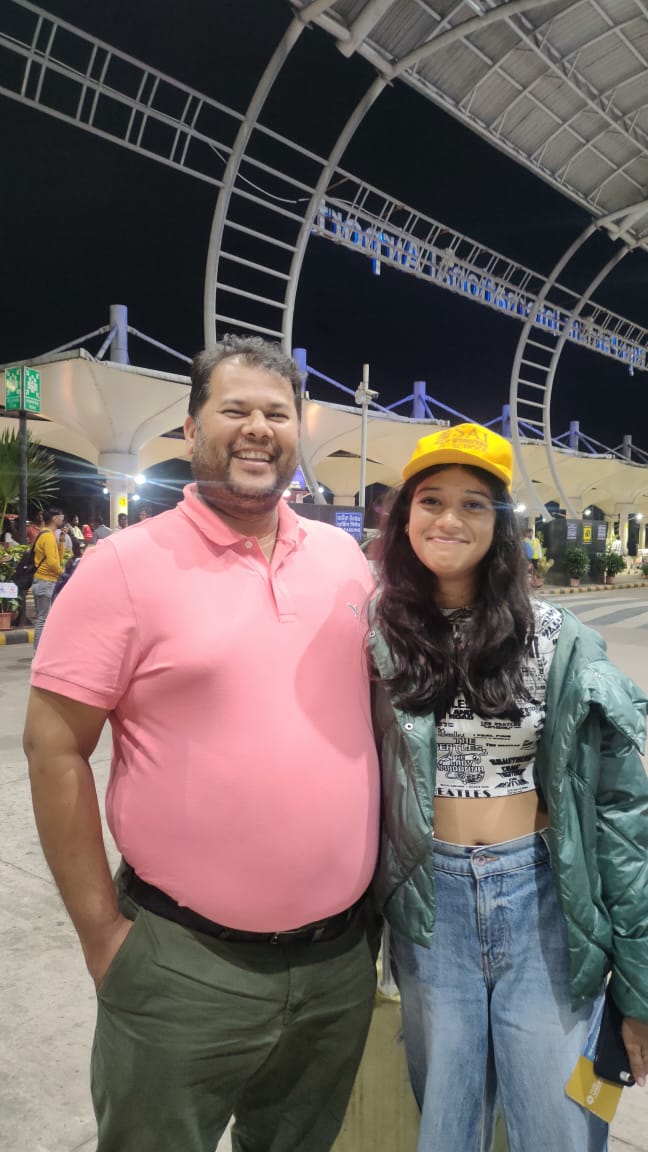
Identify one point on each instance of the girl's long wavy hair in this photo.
(430, 667)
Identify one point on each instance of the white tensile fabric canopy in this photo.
(120, 418)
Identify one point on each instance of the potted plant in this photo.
(544, 564)
(614, 563)
(644, 569)
(576, 564)
(8, 604)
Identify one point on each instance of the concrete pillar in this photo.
(623, 511)
(300, 358)
(574, 432)
(577, 503)
(119, 468)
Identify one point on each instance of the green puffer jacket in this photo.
(596, 792)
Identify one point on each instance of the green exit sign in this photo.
(13, 389)
(31, 390)
(22, 389)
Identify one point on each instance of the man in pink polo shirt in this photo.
(234, 965)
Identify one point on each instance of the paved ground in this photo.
(46, 998)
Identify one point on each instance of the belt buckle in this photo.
(309, 933)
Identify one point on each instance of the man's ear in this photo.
(189, 429)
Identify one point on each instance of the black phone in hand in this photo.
(611, 1059)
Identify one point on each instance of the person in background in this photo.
(70, 567)
(99, 529)
(34, 527)
(75, 529)
(515, 828)
(48, 558)
(86, 532)
(527, 545)
(122, 520)
(235, 965)
(144, 513)
(65, 534)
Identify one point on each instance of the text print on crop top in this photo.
(495, 757)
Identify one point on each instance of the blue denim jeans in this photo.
(487, 1016)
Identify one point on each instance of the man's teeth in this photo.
(253, 456)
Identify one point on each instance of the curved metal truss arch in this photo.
(536, 360)
(274, 194)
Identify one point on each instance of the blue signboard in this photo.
(349, 521)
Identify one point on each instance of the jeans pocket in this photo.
(122, 957)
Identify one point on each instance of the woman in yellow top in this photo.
(48, 558)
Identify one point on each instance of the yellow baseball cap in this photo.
(463, 444)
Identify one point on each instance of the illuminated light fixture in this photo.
(638, 515)
(476, 7)
(135, 496)
(287, 494)
(140, 478)
(320, 488)
(587, 512)
(520, 508)
(105, 491)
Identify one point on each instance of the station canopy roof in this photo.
(559, 86)
(91, 408)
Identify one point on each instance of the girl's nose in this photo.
(448, 515)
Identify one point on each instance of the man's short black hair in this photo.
(50, 513)
(254, 352)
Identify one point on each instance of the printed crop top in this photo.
(479, 757)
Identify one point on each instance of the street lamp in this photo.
(363, 397)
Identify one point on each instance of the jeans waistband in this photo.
(155, 900)
(486, 859)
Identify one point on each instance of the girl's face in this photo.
(451, 526)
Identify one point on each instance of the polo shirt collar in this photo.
(291, 530)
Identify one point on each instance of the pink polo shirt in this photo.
(244, 777)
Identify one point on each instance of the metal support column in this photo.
(119, 343)
(420, 400)
(363, 397)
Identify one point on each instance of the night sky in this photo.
(87, 223)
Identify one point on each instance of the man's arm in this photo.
(60, 736)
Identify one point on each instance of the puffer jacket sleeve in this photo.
(622, 847)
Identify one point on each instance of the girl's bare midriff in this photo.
(488, 821)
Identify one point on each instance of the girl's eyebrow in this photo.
(466, 491)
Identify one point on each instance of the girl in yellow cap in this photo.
(514, 860)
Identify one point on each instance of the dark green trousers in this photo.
(192, 1030)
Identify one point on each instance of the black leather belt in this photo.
(157, 901)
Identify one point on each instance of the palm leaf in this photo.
(42, 476)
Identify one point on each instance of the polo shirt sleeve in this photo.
(90, 645)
